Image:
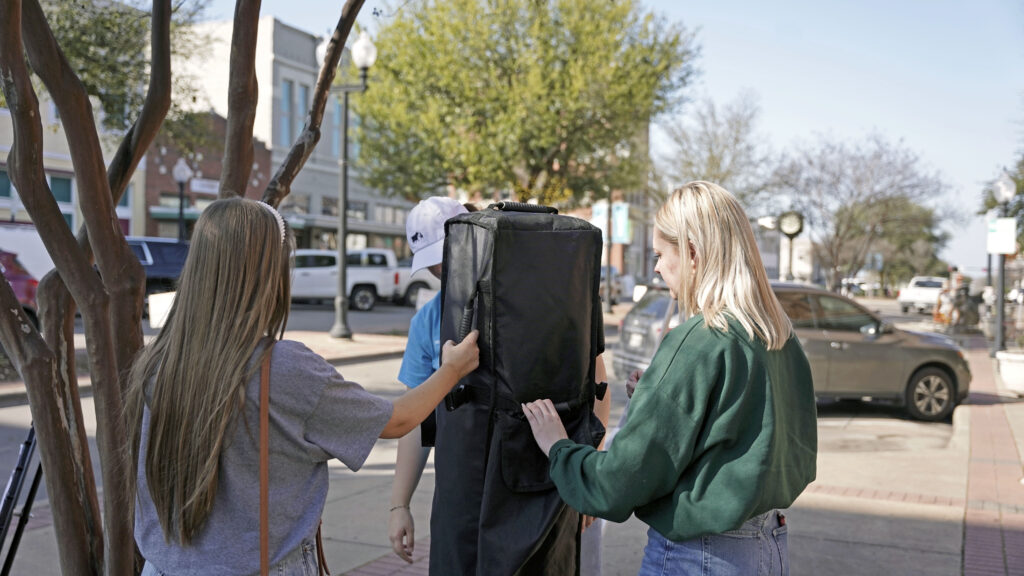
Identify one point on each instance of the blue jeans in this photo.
(758, 547)
(298, 562)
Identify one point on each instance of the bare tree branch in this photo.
(243, 93)
(158, 101)
(846, 191)
(280, 185)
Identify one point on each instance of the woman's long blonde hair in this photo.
(234, 290)
(729, 278)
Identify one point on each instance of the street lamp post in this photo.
(364, 54)
(181, 173)
(1005, 190)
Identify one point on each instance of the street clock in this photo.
(791, 224)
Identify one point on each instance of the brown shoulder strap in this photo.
(265, 465)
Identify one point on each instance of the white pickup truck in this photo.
(921, 293)
(371, 274)
(409, 284)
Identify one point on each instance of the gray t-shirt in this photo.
(315, 415)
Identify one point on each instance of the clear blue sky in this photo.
(944, 77)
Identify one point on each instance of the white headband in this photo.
(277, 216)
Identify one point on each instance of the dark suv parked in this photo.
(162, 259)
(853, 353)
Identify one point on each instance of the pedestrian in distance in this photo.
(193, 410)
(721, 430)
(425, 231)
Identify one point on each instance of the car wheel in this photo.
(363, 298)
(412, 293)
(930, 395)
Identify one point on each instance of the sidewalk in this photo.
(955, 508)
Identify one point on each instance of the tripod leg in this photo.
(16, 482)
(26, 512)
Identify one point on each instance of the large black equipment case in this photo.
(529, 280)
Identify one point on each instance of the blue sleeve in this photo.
(418, 359)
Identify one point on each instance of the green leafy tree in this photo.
(907, 237)
(541, 99)
(108, 44)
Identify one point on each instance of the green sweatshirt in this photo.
(719, 430)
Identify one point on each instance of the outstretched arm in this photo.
(415, 405)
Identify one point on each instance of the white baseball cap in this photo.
(424, 228)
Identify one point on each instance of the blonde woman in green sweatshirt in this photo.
(721, 430)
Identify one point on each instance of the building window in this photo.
(5, 184)
(124, 202)
(54, 113)
(356, 210)
(287, 87)
(384, 214)
(61, 188)
(295, 204)
(329, 206)
(169, 199)
(303, 108)
(336, 133)
(353, 146)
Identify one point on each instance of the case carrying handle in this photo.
(509, 206)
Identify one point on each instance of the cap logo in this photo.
(417, 237)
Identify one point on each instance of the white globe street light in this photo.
(1005, 189)
(364, 55)
(181, 174)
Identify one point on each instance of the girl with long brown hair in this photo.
(193, 408)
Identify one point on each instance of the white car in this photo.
(371, 274)
(921, 293)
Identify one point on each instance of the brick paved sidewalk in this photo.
(994, 515)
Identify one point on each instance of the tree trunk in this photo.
(113, 333)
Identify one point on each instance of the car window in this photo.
(139, 252)
(323, 260)
(654, 304)
(378, 260)
(928, 284)
(314, 260)
(168, 253)
(798, 307)
(837, 314)
(353, 260)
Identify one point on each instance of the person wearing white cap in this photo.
(424, 228)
